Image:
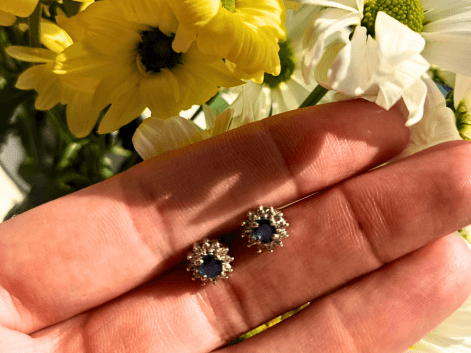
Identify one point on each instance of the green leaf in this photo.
(10, 99)
(70, 153)
(120, 151)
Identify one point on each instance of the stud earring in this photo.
(265, 227)
(209, 261)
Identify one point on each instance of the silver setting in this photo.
(209, 247)
(276, 220)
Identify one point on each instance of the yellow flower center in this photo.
(229, 5)
(288, 65)
(408, 12)
(155, 51)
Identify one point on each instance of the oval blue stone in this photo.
(210, 267)
(264, 231)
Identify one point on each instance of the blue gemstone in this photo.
(264, 231)
(210, 267)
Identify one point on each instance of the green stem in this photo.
(315, 96)
(59, 127)
(34, 149)
(200, 109)
(34, 27)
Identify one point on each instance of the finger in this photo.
(326, 249)
(387, 311)
(84, 249)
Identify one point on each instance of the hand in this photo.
(103, 269)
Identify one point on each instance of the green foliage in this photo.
(462, 116)
(267, 325)
(465, 234)
(10, 99)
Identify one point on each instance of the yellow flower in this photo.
(81, 117)
(245, 32)
(126, 59)
(21, 8)
(9, 9)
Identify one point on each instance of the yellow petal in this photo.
(114, 86)
(53, 37)
(22, 8)
(29, 78)
(122, 112)
(149, 12)
(194, 13)
(79, 59)
(158, 92)
(155, 136)
(6, 18)
(233, 36)
(42, 79)
(216, 72)
(33, 55)
(191, 16)
(81, 117)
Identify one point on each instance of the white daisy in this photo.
(287, 91)
(155, 136)
(437, 125)
(383, 61)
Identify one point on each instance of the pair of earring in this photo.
(263, 227)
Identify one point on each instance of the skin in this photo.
(103, 269)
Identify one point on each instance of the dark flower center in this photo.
(288, 65)
(156, 53)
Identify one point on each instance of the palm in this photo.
(101, 270)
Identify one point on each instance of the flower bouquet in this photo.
(91, 88)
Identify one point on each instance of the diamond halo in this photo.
(209, 261)
(265, 227)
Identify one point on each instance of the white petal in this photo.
(262, 106)
(349, 5)
(209, 116)
(457, 21)
(223, 121)
(155, 136)
(462, 90)
(350, 72)
(450, 51)
(414, 98)
(404, 76)
(246, 115)
(329, 26)
(441, 9)
(296, 21)
(396, 42)
(436, 126)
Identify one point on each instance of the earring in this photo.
(265, 227)
(209, 261)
